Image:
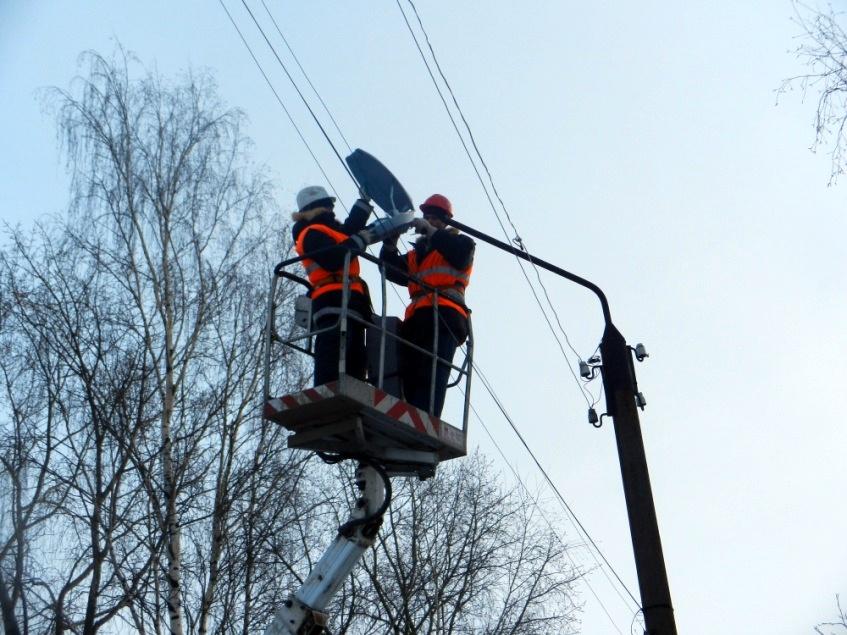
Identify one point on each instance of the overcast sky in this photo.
(639, 145)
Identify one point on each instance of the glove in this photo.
(364, 205)
(423, 227)
(363, 238)
(391, 240)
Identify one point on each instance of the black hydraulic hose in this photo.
(330, 459)
(348, 527)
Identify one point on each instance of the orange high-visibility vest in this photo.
(323, 280)
(437, 272)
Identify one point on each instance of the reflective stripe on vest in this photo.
(437, 272)
(323, 280)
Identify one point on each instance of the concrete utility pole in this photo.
(620, 386)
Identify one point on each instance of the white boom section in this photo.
(303, 612)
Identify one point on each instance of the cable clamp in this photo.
(518, 241)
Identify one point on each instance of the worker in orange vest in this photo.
(316, 229)
(442, 259)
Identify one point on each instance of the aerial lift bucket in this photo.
(353, 419)
(363, 420)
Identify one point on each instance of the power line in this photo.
(519, 241)
(279, 99)
(329, 113)
(485, 382)
(476, 367)
(323, 172)
(549, 523)
(302, 70)
(314, 89)
(300, 93)
(547, 478)
(517, 238)
(592, 401)
(290, 118)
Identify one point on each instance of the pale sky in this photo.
(636, 144)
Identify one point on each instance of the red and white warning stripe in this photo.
(406, 413)
(310, 395)
(387, 404)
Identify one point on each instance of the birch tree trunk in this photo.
(169, 484)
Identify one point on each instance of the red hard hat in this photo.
(440, 201)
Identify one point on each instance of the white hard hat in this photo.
(309, 195)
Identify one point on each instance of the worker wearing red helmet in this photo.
(442, 259)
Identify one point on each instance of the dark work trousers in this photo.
(416, 366)
(327, 344)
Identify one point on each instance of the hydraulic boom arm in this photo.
(303, 612)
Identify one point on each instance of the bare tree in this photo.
(838, 627)
(132, 368)
(140, 483)
(156, 168)
(459, 554)
(823, 50)
(67, 377)
(26, 494)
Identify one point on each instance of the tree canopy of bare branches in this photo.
(823, 50)
(140, 489)
(462, 553)
(838, 627)
(132, 368)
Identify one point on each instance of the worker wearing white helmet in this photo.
(316, 229)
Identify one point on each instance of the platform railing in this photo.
(281, 271)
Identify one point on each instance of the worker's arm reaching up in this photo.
(398, 266)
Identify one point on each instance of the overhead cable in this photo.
(290, 118)
(549, 523)
(592, 401)
(547, 478)
(314, 89)
(306, 75)
(279, 99)
(300, 93)
(302, 138)
(517, 239)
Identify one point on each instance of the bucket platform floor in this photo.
(354, 419)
